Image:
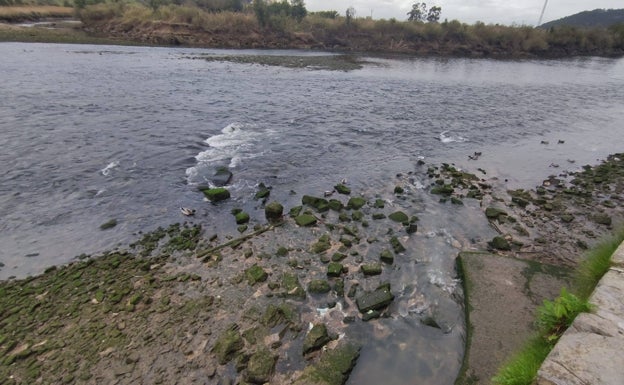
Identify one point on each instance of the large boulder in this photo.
(273, 212)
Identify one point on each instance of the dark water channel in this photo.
(91, 133)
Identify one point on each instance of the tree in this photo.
(418, 12)
(260, 10)
(434, 14)
(298, 9)
(350, 14)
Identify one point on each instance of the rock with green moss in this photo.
(335, 205)
(386, 256)
(318, 286)
(295, 211)
(374, 300)
(321, 245)
(316, 338)
(292, 287)
(263, 192)
(320, 204)
(499, 243)
(216, 194)
(108, 225)
(371, 269)
(255, 274)
(260, 367)
(379, 204)
(333, 368)
(334, 269)
(494, 213)
(356, 203)
(273, 212)
(396, 245)
(338, 257)
(567, 218)
(445, 189)
(228, 344)
(602, 219)
(399, 216)
(399, 190)
(304, 220)
(342, 189)
(241, 218)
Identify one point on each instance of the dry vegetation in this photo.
(21, 13)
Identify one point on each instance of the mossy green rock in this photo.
(241, 218)
(342, 189)
(227, 345)
(260, 367)
(292, 287)
(444, 189)
(273, 211)
(500, 243)
(399, 216)
(567, 218)
(319, 286)
(216, 194)
(396, 245)
(263, 192)
(333, 368)
(334, 269)
(305, 220)
(494, 213)
(356, 203)
(321, 245)
(316, 338)
(371, 269)
(108, 225)
(379, 204)
(255, 274)
(374, 300)
(602, 219)
(335, 205)
(320, 204)
(399, 190)
(386, 256)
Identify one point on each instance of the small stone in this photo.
(494, 213)
(399, 190)
(602, 219)
(396, 245)
(273, 211)
(386, 256)
(399, 216)
(334, 269)
(371, 269)
(216, 194)
(338, 257)
(255, 274)
(319, 286)
(356, 203)
(304, 220)
(335, 205)
(567, 218)
(442, 190)
(378, 216)
(316, 338)
(374, 300)
(379, 204)
(342, 189)
(242, 218)
(263, 192)
(295, 211)
(260, 367)
(411, 228)
(228, 344)
(500, 243)
(108, 225)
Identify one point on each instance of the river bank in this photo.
(288, 302)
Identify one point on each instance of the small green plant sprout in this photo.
(554, 317)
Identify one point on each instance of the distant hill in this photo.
(590, 19)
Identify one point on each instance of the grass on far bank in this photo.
(554, 317)
(22, 13)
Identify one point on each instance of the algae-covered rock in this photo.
(263, 192)
(273, 211)
(399, 190)
(494, 213)
(500, 243)
(216, 194)
(399, 216)
(109, 224)
(456, 201)
(228, 344)
(318, 286)
(378, 216)
(334, 269)
(316, 338)
(338, 257)
(445, 189)
(411, 228)
(356, 203)
(396, 245)
(386, 256)
(260, 367)
(255, 274)
(374, 300)
(602, 219)
(295, 211)
(320, 204)
(305, 220)
(342, 189)
(379, 204)
(321, 245)
(333, 368)
(371, 269)
(241, 218)
(292, 287)
(567, 218)
(275, 315)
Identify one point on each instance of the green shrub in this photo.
(554, 317)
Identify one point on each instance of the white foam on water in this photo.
(107, 170)
(235, 143)
(445, 138)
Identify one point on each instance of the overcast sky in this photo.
(469, 11)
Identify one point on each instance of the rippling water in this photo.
(90, 133)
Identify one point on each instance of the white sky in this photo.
(469, 11)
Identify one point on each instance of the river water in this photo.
(93, 133)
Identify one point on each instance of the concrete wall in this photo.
(591, 351)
